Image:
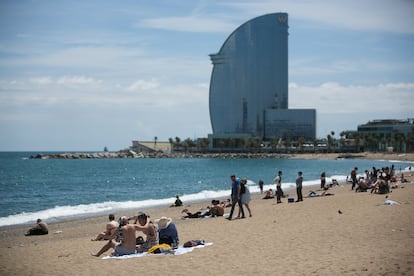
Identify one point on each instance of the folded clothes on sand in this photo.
(179, 251)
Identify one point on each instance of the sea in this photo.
(58, 190)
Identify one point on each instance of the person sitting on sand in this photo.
(39, 229)
(148, 228)
(362, 186)
(177, 202)
(111, 228)
(380, 186)
(167, 232)
(226, 204)
(269, 194)
(216, 209)
(334, 182)
(402, 179)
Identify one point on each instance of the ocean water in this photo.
(60, 189)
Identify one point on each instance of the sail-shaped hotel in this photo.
(249, 84)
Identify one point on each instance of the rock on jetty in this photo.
(132, 154)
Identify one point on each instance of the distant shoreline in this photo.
(131, 154)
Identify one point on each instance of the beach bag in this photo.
(193, 243)
(166, 240)
(160, 248)
(139, 240)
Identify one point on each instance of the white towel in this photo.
(179, 251)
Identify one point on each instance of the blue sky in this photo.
(81, 75)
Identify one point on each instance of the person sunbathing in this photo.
(226, 204)
(198, 214)
(216, 210)
(269, 194)
(362, 186)
(380, 186)
(177, 202)
(39, 229)
(111, 228)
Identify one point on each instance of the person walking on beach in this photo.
(299, 181)
(245, 196)
(235, 196)
(278, 182)
(261, 186)
(354, 177)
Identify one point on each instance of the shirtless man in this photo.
(148, 228)
(39, 229)
(111, 228)
(125, 243)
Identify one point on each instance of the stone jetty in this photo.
(132, 154)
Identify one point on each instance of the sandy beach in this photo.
(308, 238)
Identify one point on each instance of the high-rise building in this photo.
(249, 83)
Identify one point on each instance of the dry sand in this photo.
(307, 238)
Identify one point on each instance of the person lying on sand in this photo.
(198, 214)
(315, 194)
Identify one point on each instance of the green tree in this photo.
(301, 141)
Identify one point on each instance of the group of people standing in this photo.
(240, 194)
(279, 192)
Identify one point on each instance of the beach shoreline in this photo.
(310, 237)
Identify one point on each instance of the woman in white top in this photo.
(245, 196)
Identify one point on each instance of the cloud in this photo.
(374, 15)
(141, 85)
(78, 91)
(332, 97)
(191, 23)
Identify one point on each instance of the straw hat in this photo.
(163, 222)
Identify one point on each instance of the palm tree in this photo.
(315, 144)
(273, 143)
(329, 137)
(171, 141)
(178, 142)
(301, 141)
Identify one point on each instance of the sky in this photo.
(79, 75)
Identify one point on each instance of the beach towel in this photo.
(179, 251)
(390, 202)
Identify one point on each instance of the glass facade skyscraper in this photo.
(249, 81)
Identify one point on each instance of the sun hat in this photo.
(163, 222)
